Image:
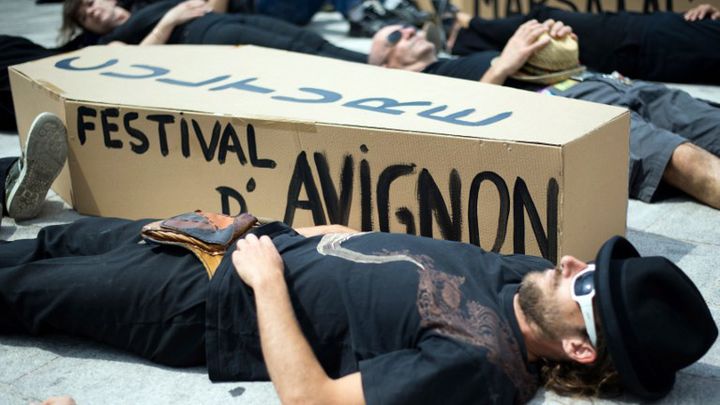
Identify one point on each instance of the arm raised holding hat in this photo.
(527, 40)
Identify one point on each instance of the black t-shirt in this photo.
(423, 320)
(144, 20)
(473, 67)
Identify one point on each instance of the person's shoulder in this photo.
(470, 67)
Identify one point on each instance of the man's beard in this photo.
(538, 306)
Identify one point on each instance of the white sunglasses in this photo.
(583, 291)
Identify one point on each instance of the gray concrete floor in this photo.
(35, 368)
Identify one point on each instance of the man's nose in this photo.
(94, 11)
(408, 31)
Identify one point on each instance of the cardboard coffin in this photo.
(503, 8)
(156, 131)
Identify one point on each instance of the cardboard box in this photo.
(156, 131)
(502, 8)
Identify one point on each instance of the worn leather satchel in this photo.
(208, 235)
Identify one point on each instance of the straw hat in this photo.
(553, 63)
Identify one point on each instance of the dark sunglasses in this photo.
(583, 291)
(394, 37)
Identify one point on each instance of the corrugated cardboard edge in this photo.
(583, 158)
(32, 98)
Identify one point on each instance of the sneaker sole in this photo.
(45, 155)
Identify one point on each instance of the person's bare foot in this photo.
(696, 172)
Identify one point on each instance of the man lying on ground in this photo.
(191, 22)
(674, 138)
(659, 46)
(335, 316)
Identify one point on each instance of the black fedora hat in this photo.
(654, 319)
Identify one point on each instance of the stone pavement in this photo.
(35, 368)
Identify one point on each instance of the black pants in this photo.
(661, 119)
(5, 164)
(233, 29)
(657, 46)
(96, 278)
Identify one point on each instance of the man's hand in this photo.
(294, 370)
(558, 29)
(527, 40)
(521, 46)
(181, 13)
(257, 261)
(518, 49)
(184, 12)
(702, 11)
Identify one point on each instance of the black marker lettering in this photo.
(405, 217)
(144, 143)
(383, 191)
(252, 151)
(208, 150)
(302, 176)
(523, 202)
(225, 194)
(110, 127)
(230, 142)
(82, 125)
(366, 223)
(162, 120)
(431, 201)
(338, 209)
(503, 214)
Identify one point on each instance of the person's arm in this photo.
(294, 370)
(63, 400)
(701, 12)
(218, 6)
(524, 42)
(177, 15)
(324, 229)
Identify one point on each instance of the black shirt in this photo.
(473, 67)
(144, 20)
(423, 320)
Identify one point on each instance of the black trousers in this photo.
(5, 164)
(97, 279)
(233, 29)
(658, 46)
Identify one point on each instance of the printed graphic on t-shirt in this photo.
(443, 308)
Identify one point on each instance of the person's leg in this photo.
(293, 11)
(344, 6)
(608, 41)
(84, 237)
(273, 33)
(146, 299)
(694, 167)
(679, 51)
(303, 40)
(677, 111)
(5, 165)
(696, 172)
(657, 46)
(651, 148)
(651, 151)
(28, 181)
(485, 35)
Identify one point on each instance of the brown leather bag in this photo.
(208, 235)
